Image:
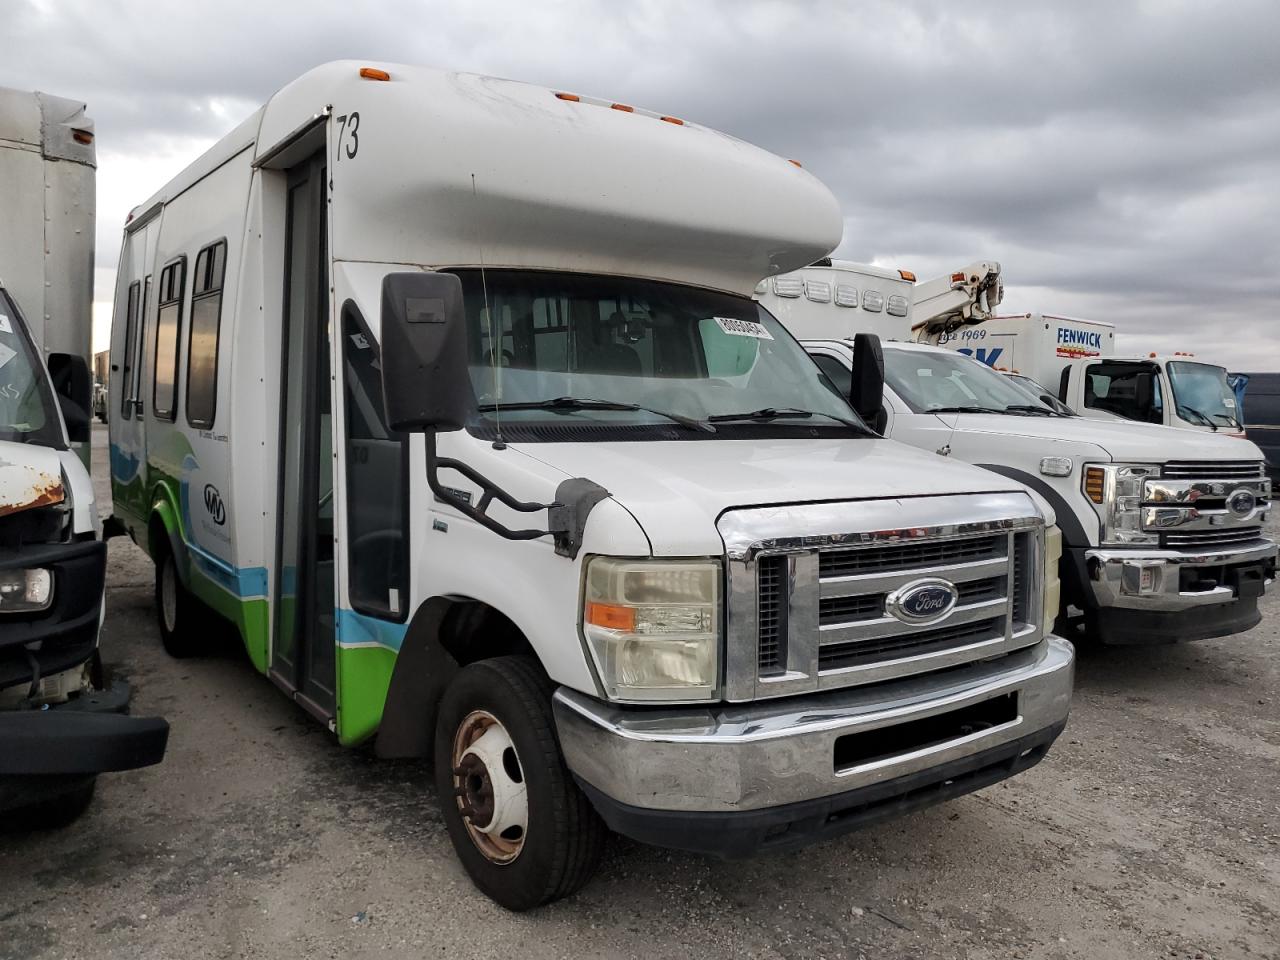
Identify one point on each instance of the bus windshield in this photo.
(27, 411)
(553, 350)
(1202, 394)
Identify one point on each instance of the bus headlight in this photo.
(653, 627)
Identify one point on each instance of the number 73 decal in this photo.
(348, 134)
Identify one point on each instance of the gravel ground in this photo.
(1151, 830)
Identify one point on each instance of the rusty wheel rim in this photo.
(489, 787)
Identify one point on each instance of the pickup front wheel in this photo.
(524, 831)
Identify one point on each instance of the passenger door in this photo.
(302, 656)
(125, 404)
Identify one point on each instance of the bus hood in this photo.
(677, 490)
(1123, 441)
(30, 476)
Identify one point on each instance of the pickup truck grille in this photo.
(1206, 504)
(1213, 470)
(814, 612)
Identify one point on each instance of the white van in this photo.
(61, 719)
(1076, 360)
(449, 393)
(1163, 529)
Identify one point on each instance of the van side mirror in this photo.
(866, 393)
(74, 388)
(425, 381)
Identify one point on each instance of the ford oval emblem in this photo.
(922, 601)
(1242, 502)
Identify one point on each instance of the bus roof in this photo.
(451, 169)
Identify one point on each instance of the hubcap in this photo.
(488, 783)
(169, 595)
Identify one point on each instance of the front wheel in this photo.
(521, 827)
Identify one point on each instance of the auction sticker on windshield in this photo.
(743, 328)
(5, 326)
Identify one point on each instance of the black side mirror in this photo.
(866, 393)
(74, 387)
(425, 381)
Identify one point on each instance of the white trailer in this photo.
(450, 393)
(47, 177)
(1075, 359)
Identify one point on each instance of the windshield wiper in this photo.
(1031, 408)
(1196, 413)
(1230, 420)
(964, 410)
(587, 403)
(782, 413)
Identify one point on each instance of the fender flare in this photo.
(423, 669)
(162, 508)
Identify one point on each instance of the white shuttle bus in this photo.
(450, 394)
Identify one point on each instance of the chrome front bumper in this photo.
(736, 758)
(1143, 579)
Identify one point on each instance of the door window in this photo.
(377, 482)
(128, 384)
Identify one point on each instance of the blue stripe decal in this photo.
(359, 630)
(246, 583)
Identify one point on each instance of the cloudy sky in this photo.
(1122, 161)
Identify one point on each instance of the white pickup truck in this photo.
(1162, 528)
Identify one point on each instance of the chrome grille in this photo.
(811, 609)
(847, 563)
(772, 613)
(1211, 538)
(1213, 470)
(845, 655)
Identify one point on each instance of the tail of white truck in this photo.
(47, 176)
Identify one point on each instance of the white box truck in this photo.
(1076, 360)
(1162, 528)
(449, 392)
(61, 721)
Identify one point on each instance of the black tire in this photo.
(55, 812)
(562, 844)
(182, 627)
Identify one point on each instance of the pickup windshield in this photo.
(27, 413)
(938, 382)
(1202, 394)
(600, 354)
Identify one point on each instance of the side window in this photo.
(132, 330)
(377, 482)
(168, 321)
(139, 374)
(202, 343)
(841, 377)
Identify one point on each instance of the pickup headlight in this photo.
(1115, 490)
(1052, 584)
(653, 627)
(25, 591)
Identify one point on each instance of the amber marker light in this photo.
(611, 616)
(1094, 479)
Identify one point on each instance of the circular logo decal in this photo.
(1242, 502)
(922, 601)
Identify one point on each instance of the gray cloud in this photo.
(1121, 160)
